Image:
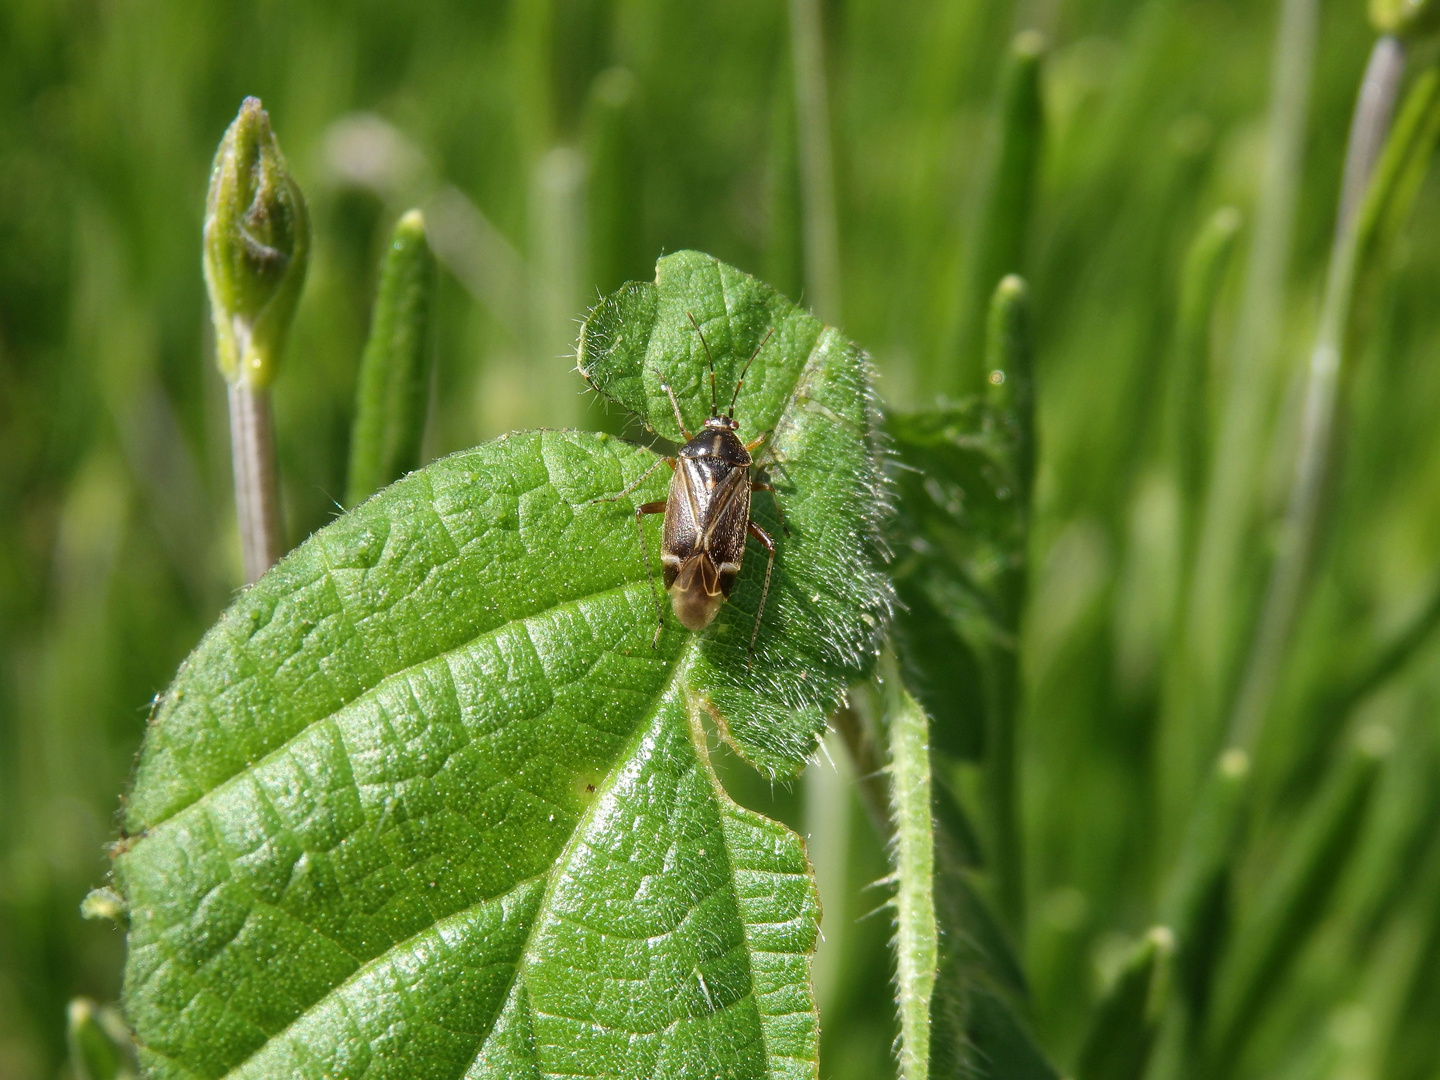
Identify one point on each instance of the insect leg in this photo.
(643, 477)
(641, 511)
(765, 485)
(769, 545)
(679, 421)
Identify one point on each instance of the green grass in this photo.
(117, 536)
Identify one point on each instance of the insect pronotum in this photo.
(707, 514)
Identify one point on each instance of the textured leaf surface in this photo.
(427, 803)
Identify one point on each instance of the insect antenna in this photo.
(741, 381)
(710, 360)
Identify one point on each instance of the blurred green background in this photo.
(558, 147)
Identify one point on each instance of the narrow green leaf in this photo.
(913, 859)
(1206, 264)
(959, 540)
(394, 384)
(1294, 899)
(1000, 1047)
(427, 802)
(785, 237)
(1010, 381)
(1196, 898)
(615, 192)
(1357, 268)
(952, 822)
(1010, 378)
(1001, 222)
(98, 1042)
(1128, 1016)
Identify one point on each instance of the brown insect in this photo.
(707, 515)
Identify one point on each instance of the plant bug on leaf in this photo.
(707, 514)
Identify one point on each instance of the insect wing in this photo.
(727, 514)
(681, 537)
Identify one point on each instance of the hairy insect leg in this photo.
(765, 485)
(643, 477)
(679, 420)
(769, 545)
(640, 512)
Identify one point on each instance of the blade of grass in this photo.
(1010, 390)
(785, 239)
(1294, 900)
(1407, 153)
(1001, 221)
(1196, 898)
(100, 1047)
(1128, 1017)
(1230, 501)
(1204, 272)
(616, 190)
(393, 388)
(817, 169)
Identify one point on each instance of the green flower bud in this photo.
(1405, 18)
(257, 246)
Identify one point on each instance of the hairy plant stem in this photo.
(1374, 109)
(257, 484)
(913, 859)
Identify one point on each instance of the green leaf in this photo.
(427, 803)
(1196, 900)
(1000, 222)
(808, 393)
(1295, 897)
(99, 1045)
(958, 537)
(1128, 1017)
(999, 1046)
(394, 385)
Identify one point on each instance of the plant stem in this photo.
(1230, 500)
(257, 485)
(1374, 108)
(1314, 460)
(817, 170)
(913, 854)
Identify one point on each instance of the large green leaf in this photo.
(427, 803)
